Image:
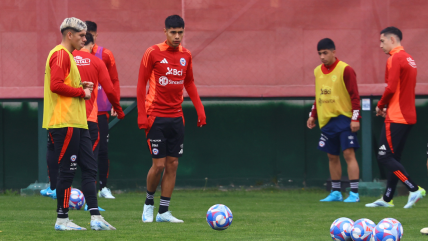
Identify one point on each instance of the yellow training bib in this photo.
(62, 111)
(332, 97)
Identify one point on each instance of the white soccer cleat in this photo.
(424, 231)
(148, 213)
(380, 203)
(105, 193)
(63, 224)
(414, 197)
(98, 223)
(167, 217)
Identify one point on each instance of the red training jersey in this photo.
(92, 69)
(350, 79)
(60, 68)
(399, 95)
(169, 70)
(110, 63)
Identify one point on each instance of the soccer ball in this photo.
(219, 217)
(340, 229)
(77, 200)
(386, 231)
(363, 230)
(398, 226)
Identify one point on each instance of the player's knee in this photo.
(158, 167)
(173, 164)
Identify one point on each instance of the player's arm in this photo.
(350, 79)
(190, 86)
(146, 68)
(104, 80)
(312, 116)
(112, 70)
(392, 82)
(60, 67)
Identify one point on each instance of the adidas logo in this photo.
(382, 148)
(164, 61)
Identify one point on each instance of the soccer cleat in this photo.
(380, 203)
(353, 198)
(105, 193)
(99, 208)
(424, 231)
(98, 223)
(167, 217)
(63, 224)
(148, 213)
(45, 191)
(334, 196)
(52, 194)
(414, 197)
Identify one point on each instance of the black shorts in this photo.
(392, 139)
(165, 136)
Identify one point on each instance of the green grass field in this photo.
(258, 215)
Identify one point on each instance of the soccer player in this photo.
(168, 68)
(337, 107)
(64, 115)
(397, 105)
(104, 108)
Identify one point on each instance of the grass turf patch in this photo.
(257, 215)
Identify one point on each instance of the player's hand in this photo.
(87, 93)
(355, 126)
(311, 123)
(88, 85)
(380, 112)
(202, 121)
(113, 112)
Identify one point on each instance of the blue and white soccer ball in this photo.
(77, 199)
(219, 217)
(385, 231)
(398, 226)
(363, 230)
(340, 229)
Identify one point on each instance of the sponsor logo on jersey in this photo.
(165, 81)
(180, 152)
(99, 87)
(155, 151)
(155, 140)
(329, 101)
(81, 61)
(164, 61)
(183, 62)
(73, 158)
(174, 72)
(381, 153)
(411, 62)
(351, 137)
(322, 143)
(382, 148)
(155, 145)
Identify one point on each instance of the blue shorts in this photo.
(336, 134)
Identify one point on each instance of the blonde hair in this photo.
(74, 24)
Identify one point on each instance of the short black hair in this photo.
(326, 43)
(89, 38)
(65, 30)
(173, 21)
(392, 30)
(92, 27)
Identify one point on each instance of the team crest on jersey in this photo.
(322, 144)
(183, 62)
(155, 151)
(163, 80)
(73, 158)
(334, 78)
